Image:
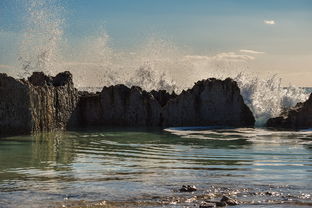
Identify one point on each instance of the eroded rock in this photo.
(298, 117)
(41, 103)
(210, 102)
(45, 103)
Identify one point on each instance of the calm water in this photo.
(146, 167)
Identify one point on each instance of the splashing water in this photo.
(39, 49)
(156, 64)
(266, 97)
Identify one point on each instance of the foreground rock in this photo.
(210, 102)
(188, 188)
(41, 103)
(298, 117)
(229, 201)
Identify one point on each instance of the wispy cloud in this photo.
(5, 66)
(269, 22)
(250, 51)
(227, 56)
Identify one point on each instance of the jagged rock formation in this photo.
(298, 117)
(44, 103)
(41, 103)
(162, 96)
(119, 106)
(209, 102)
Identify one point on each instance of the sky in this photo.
(274, 36)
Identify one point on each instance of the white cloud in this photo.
(5, 66)
(269, 22)
(250, 51)
(226, 56)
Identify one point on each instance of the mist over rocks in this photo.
(41, 103)
(45, 103)
(298, 117)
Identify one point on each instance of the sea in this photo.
(129, 167)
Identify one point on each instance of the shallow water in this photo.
(146, 168)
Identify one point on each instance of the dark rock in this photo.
(45, 103)
(188, 188)
(119, 106)
(298, 117)
(36, 105)
(88, 112)
(229, 201)
(207, 205)
(40, 79)
(221, 204)
(162, 96)
(15, 115)
(62, 79)
(123, 106)
(209, 102)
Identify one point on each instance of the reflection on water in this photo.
(128, 167)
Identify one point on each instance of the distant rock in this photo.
(41, 103)
(210, 102)
(298, 117)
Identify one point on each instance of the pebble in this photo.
(188, 188)
(207, 205)
(229, 201)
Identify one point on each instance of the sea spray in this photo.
(266, 97)
(39, 48)
(155, 64)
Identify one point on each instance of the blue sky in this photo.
(205, 26)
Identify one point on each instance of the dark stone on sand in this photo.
(210, 102)
(188, 188)
(298, 117)
(229, 201)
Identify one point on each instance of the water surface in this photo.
(146, 168)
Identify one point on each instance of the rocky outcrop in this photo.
(209, 102)
(119, 106)
(15, 113)
(41, 103)
(162, 96)
(45, 103)
(298, 117)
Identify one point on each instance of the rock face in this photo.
(119, 106)
(44, 103)
(41, 103)
(298, 117)
(209, 102)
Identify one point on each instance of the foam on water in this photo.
(155, 64)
